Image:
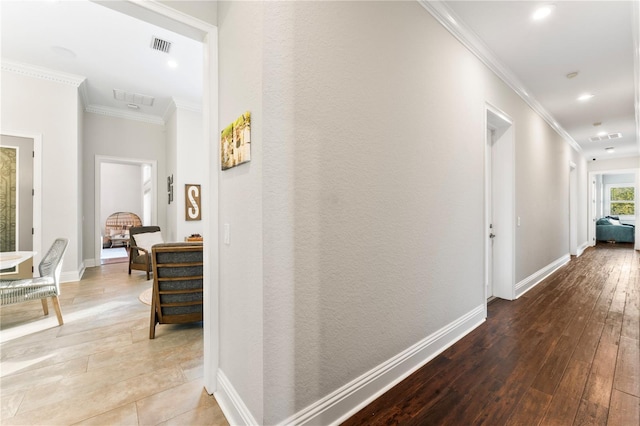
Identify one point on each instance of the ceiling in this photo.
(594, 39)
(111, 49)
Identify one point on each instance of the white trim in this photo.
(582, 248)
(37, 188)
(121, 113)
(72, 276)
(355, 395)
(497, 119)
(537, 277)
(84, 94)
(90, 263)
(41, 73)
(443, 14)
(210, 221)
(231, 404)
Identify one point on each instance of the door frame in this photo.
(592, 202)
(166, 17)
(37, 191)
(103, 159)
(501, 203)
(573, 209)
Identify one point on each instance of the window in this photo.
(621, 200)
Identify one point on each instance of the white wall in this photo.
(171, 141)
(121, 190)
(364, 193)
(37, 106)
(240, 205)
(191, 165)
(187, 165)
(614, 164)
(126, 139)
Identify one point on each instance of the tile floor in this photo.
(100, 368)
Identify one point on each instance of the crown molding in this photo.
(84, 94)
(178, 104)
(456, 26)
(41, 73)
(128, 115)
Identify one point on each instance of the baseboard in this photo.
(90, 263)
(352, 397)
(233, 407)
(534, 279)
(72, 276)
(582, 248)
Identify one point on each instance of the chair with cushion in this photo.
(177, 284)
(142, 238)
(47, 285)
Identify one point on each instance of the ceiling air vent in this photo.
(606, 137)
(160, 45)
(133, 98)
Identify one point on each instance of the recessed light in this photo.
(572, 74)
(172, 64)
(602, 133)
(610, 150)
(585, 97)
(543, 12)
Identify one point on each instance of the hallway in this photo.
(567, 352)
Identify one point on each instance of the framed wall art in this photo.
(235, 142)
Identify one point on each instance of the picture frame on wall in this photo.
(235, 142)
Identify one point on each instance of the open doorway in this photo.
(126, 189)
(614, 194)
(499, 206)
(25, 203)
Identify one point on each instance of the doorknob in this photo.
(492, 235)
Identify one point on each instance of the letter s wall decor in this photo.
(192, 202)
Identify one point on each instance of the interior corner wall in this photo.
(583, 197)
(171, 134)
(80, 176)
(37, 106)
(240, 55)
(206, 11)
(191, 168)
(366, 191)
(121, 138)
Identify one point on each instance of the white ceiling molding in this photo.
(84, 94)
(162, 16)
(448, 19)
(41, 73)
(128, 115)
(181, 104)
(635, 27)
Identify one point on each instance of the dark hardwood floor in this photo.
(565, 353)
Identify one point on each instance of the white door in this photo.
(499, 207)
(489, 231)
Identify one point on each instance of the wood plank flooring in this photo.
(565, 353)
(100, 368)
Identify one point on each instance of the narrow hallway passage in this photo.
(567, 352)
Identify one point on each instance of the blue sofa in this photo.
(610, 229)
